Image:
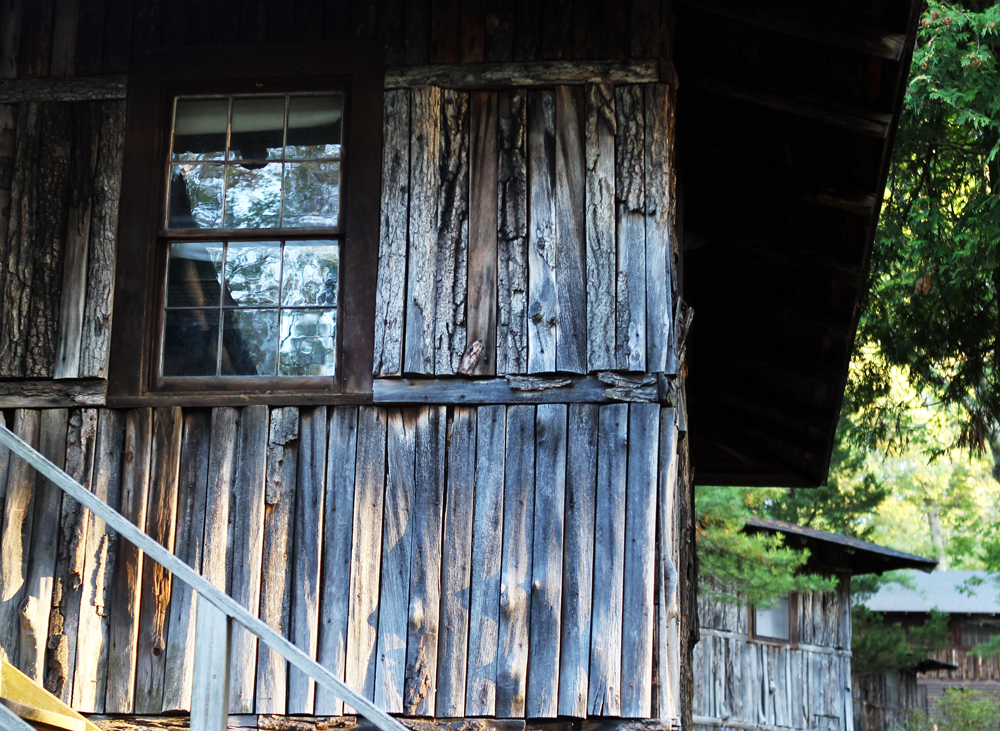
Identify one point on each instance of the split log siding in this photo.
(479, 527)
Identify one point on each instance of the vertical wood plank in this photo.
(578, 559)
(93, 639)
(246, 520)
(192, 497)
(557, 30)
(423, 621)
(586, 29)
(659, 167)
(103, 239)
(482, 283)
(445, 15)
(338, 527)
(451, 265)
(417, 33)
(512, 244)
(390, 293)
(499, 31)
(456, 565)
(90, 37)
(425, 170)
(222, 462)
(646, 28)
(571, 249)
(542, 305)
(615, 28)
(154, 602)
(86, 129)
(8, 146)
(11, 15)
(667, 648)
(601, 127)
(67, 587)
(472, 32)
(515, 577)
(547, 557)
(36, 39)
(640, 560)
(391, 29)
(35, 602)
(210, 699)
(528, 30)
(366, 550)
(397, 538)
(276, 572)
(307, 552)
(117, 36)
(609, 544)
(487, 532)
(630, 230)
(124, 614)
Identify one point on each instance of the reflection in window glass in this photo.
(773, 622)
(258, 128)
(311, 270)
(253, 195)
(190, 342)
(308, 342)
(195, 196)
(249, 342)
(312, 194)
(194, 275)
(200, 129)
(253, 271)
(314, 126)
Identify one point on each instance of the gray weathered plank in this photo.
(547, 557)
(390, 295)
(222, 465)
(630, 230)
(154, 603)
(659, 165)
(124, 610)
(366, 551)
(515, 577)
(542, 304)
(600, 130)
(609, 544)
(484, 602)
(83, 89)
(512, 233)
(571, 250)
(397, 538)
(456, 565)
(603, 388)
(307, 551)
(338, 527)
(246, 518)
(451, 265)
(482, 281)
(578, 560)
(8, 145)
(93, 636)
(276, 572)
(210, 672)
(425, 173)
(96, 335)
(52, 394)
(668, 653)
(539, 73)
(640, 560)
(420, 685)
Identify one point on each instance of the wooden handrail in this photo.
(207, 591)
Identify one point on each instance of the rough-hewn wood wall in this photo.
(742, 683)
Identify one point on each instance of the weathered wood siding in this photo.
(744, 683)
(458, 530)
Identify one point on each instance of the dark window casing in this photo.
(356, 67)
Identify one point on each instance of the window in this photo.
(248, 233)
(775, 623)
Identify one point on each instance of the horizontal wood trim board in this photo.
(530, 74)
(605, 388)
(274, 722)
(52, 394)
(83, 89)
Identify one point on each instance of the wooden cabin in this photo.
(788, 666)
(375, 312)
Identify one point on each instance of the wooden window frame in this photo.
(353, 66)
(793, 624)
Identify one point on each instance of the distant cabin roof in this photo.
(941, 590)
(860, 557)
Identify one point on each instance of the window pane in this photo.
(252, 274)
(253, 195)
(312, 194)
(311, 271)
(258, 129)
(314, 126)
(190, 342)
(249, 342)
(195, 197)
(308, 342)
(774, 621)
(200, 129)
(194, 275)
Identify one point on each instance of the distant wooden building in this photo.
(373, 311)
(789, 666)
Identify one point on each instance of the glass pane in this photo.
(314, 126)
(190, 342)
(252, 273)
(200, 129)
(249, 342)
(308, 343)
(195, 196)
(258, 129)
(312, 194)
(774, 621)
(253, 195)
(311, 271)
(194, 275)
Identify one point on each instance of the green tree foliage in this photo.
(962, 709)
(877, 646)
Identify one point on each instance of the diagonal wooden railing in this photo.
(216, 611)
